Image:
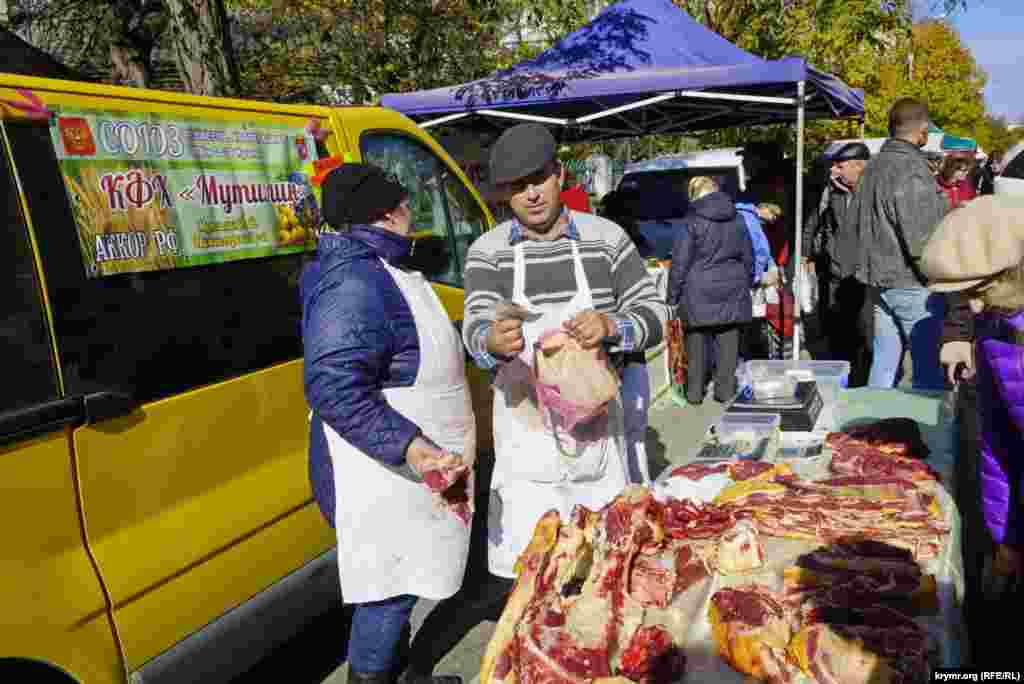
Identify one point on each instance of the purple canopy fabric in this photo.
(634, 50)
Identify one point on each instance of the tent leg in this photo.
(797, 265)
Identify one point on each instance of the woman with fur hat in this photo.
(978, 251)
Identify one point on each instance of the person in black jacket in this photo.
(709, 283)
(831, 251)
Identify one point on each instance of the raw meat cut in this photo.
(737, 470)
(890, 448)
(895, 436)
(849, 641)
(751, 630)
(652, 656)
(698, 471)
(686, 519)
(818, 511)
(831, 658)
(574, 383)
(862, 571)
(861, 460)
(600, 597)
(452, 486)
(576, 612)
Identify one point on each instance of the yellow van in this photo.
(153, 431)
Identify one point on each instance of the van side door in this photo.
(55, 612)
(197, 498)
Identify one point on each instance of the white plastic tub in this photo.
(748, 435)
(831, 376)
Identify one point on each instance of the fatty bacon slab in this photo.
(887, 510)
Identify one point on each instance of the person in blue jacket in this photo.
(385, 378)
(762, 250)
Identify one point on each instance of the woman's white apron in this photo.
(392, 539)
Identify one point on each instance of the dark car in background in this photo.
(651, 200)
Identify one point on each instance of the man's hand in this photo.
(590, 328)
(505, 338)
(952, 354)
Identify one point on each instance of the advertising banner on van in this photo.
(152, 192)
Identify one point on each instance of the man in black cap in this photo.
(830, 250)
(548, 269)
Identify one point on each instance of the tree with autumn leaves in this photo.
(125, 34)
(356, 50)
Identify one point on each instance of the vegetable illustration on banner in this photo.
(151, 193)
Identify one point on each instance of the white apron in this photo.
(392, 539)
(531, 476)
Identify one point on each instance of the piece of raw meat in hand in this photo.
(573, 382)
(453, 487)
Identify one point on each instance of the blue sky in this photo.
(994, 31)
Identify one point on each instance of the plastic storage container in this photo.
(831, 376)
(747, 435)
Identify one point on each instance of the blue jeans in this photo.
(908, 316)
(376, 630)
(636, 400)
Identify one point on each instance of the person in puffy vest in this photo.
(978, 252)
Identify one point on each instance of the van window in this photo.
(26, 361)
(442, 206)
(158, 333)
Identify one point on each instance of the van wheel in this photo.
(35, 671)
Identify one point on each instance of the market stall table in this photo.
(686, 617)
(856, 406)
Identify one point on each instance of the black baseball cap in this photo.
(851, 151)
(359, 193)
(521, 151)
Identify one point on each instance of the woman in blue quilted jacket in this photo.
(392, 433)
(709, 283)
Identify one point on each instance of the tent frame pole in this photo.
(444, 119)
(797, 265)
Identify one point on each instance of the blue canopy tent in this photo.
(641, 67)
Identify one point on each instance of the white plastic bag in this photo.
(808, 288)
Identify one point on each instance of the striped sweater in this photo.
(618, 279)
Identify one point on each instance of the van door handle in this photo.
(48, 416)
(100, 406)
